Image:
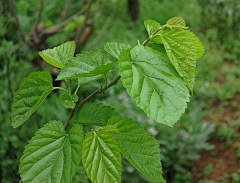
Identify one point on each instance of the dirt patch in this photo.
(223, 157)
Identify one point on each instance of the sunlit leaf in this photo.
(177, 22)
(151, 26)
(182, 53)
(59, 56)
(153, 83)
(101, 158)
(115, 49)
(87, 64)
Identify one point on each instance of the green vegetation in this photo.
(215, 91)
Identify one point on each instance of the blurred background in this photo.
(203, 147)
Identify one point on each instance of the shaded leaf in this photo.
(157, 47)
(114, 49)
(139, 147)
(52, 155)
(59, 56)
(33, 90)
(87, 64)
(68, 101)
(153, 83)
(93, 114)
(101, 158)
(151, 26)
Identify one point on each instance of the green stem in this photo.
(76, 89)
(99, 90)
(106, 81)
(148, 39)
(59, 88)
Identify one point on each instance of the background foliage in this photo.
(216, 23)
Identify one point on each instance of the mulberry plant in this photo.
(159, 76)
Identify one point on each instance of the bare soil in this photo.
(223, 157)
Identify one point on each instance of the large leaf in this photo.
(33, 90)
(59, 55)
(87, 64)
(101, 158)
(52, 155)
(93, 114)
(181, 50)
(153, 83)
(115, 49)
(158, 47)
(139, 147)
(151, 26)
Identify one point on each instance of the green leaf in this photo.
(177, 22)
(59, 56)
(110, 128)
(151, 26)
(198, 44)
(101, 158)
(139, 147)
(52, 155)
(68, 101)
(87, 64)
(181, 51)
(93, 114)
(33, 90)
(153, 83)
(115, 49)
(157, 47)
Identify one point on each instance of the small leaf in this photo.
(59, 55)
(153, 83)
(93, 114)
(110, 128)
(182, 53)
(151, 26)
(87, 64)
(101, 158)
(33, 90)
(115, 49)
(139, 147)
(52, 155)
(177, 22)
(68, 101)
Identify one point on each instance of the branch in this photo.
(98, 15)
(99, 90)
(65, 11)
(34, 29)
(13, 9)
(58, 27)
(105, 26)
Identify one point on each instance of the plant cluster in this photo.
(158, 76)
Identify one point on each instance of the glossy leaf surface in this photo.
(87, 64)
(52, 155)
(139, 147)
(151, 26)
(59, 55)
(101, 158)
(153, 83)
(181, 51)
(115, 49)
